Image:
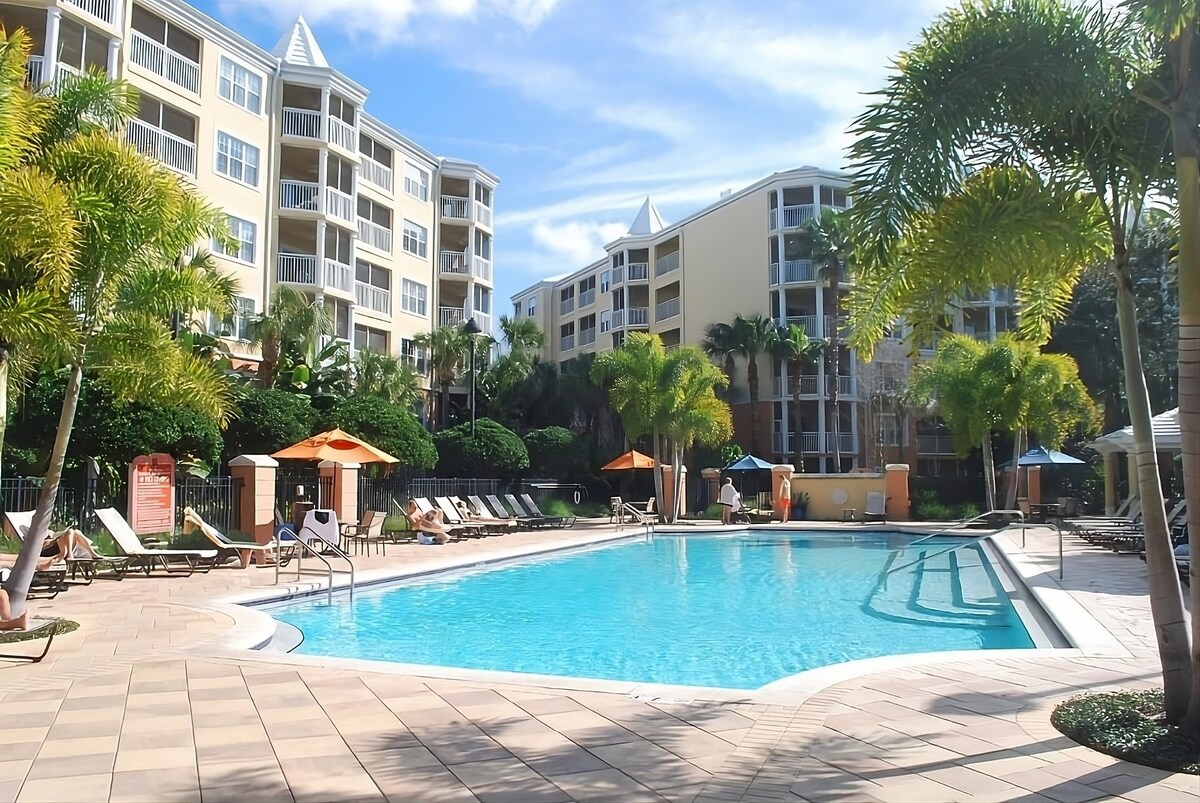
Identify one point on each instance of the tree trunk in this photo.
(444, 406)
(676, 479)
(272, 346)
(833, 309)
(658, 478)
(1166, 598)
(752, 383)
(31, 549)
(989, 471)
(3, 402)
(1010, 497)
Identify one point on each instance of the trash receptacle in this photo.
(299, 512)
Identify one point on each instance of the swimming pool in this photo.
(733, 611)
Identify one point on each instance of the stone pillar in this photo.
(50, 59)
(1033, 484)
(256, 501)
(711, 478)
(1110, 483)
(114, 53)
(780, 474)
(669, 501)
(895, 485)
(345, 489)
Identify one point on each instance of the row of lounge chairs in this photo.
(1124, 532)
(479, 516)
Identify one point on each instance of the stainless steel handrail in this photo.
(965, 522)
(965, 543)
(306, 546)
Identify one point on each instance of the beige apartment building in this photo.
(741, 256)
(321, 195)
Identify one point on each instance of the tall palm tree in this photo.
(794, 348)
(694, 414)
(720, 346)
(387, 377)
(753, 337)
(825, 239)
(447, 347)
(1001, 120)
(293, 321)
(521, 336)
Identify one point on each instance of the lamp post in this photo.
(471, 328)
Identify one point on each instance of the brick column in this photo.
(345, 489)
(895, 485)
(256, 502)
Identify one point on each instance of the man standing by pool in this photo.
(730, 501)
(785, 498)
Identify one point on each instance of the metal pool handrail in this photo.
(329, 548)
(1019, 514)
(969, 541)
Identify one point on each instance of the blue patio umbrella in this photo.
(748, 463)
(1041, 456)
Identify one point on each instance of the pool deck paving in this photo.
(155, 698)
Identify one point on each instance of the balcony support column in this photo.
(320, 249)
(350, 328)
(50, 59)
(322, 182)
(114, 54)
(324, 132)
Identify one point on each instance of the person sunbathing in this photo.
(468, 514)
(430, 522)
(44, 564)
(68, 544)
(7, 620)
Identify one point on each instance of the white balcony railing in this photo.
(450, 316)
(618, 275)
(798, 271)
(455, 262)
(587, 298)
(566, 343)
(845, 440)
(793, 216)
(374, 235)
(175, 152)
(482, 268)
(935, 444)
(304, 123)
(637, 316)
(302, 195)
(483, 320)
(339, 204)
(666, 263)
(566, 305)
(338, 276)
(778, 443)
(456, 208)
(639, 272)
(483, 215)
(34, 70)
(373, 298)
(666, 309)
(587, 336)
(809, 441)
(297, 269)
(100, 9)
(343, 134)
(811, 324)
(161, 60)
(376, 173)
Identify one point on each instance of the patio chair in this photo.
(21, 523)
(876, 507)
(523, 519)
(228, 547)
(455, 531)
(535, 521)
(484, 510)
(490, 525)
(566, 522)
(366, 532)
(149, 559)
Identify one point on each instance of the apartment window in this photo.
(368, 339)
(587, 330)
(831, 196)
(516, 309)
(618, 259)
(531, 310)
(566, 300)
(587, 291)
(566, 340)
(890, 430)
(483, 300)
(415, 238)
(414, 355)
(374, 150)
(237, 159)
(605, 280)
(416, 181)
(412, 297)
(606, 320)
(238, 325)
(246, 235)
(373, 275)
(240, 86)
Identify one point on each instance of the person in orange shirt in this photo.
(785, 499)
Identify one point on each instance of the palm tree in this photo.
(293, 321)
(825, 239)
(752, 338)
(794, 348)
(719, 345)
(521, 336)
(1000, 120)
(694, 414)
(446, 346)
(389, 378)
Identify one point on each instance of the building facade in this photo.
(742, 256)
(321, 196)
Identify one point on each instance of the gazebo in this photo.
(1165, 427)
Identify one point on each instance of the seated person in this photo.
(7, 620)
(430, 522)
(68, 544)
(468, 514)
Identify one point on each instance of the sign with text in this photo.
(152, 494)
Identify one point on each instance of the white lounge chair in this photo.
(876, 507)
(228, 547)
(148, 559)
(20, 522)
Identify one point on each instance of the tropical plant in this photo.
(493, 450)
(555, 452)
(720, 345)
(1021, 119)
(393, 429)
(134, 218)
(294, 322)
(447, 347)
(391, 379)
(825, 239)
(268, 420)
(794, 349)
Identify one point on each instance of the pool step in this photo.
(954, 588)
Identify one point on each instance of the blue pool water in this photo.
(735, 611)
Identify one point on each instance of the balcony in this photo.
(484, 321)
(587, 337)
(36, 77)
(300, 195)
(811, 324)
(793, 216)
(456, 208)
(666, 263)
(373, 298)
(375, 173)
(309, 270)
(587, 298)
(339, 204)
(482, 268)
(483, 215)
(175, 152)
(303, 123)
(666, 309)
(372, 234)
(160, 60)
(935, 444)
(639, 272)
(100, 9)
(343, 134)
(793, 271)
(456, 263)
(451, 316)
(845, 441)
(618, 275)
(566, 306)
(566, 343)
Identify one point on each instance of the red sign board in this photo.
(152, 494)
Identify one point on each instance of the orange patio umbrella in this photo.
(335, 446)
(631, 459)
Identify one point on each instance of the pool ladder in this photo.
(332, 550)
(1010, 525)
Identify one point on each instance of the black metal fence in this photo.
(305, 485)
(216, 499)
(387, 493)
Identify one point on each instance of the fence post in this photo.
(256, 502)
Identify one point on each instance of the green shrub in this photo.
(1129, 725)
(713, 511)
(387, 426)
(555, 452)
(494, 451)
(267, 421)
(968, 510)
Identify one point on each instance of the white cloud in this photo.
(575, 243)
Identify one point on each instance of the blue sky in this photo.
(584, 107)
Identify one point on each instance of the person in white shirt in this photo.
(730, 501)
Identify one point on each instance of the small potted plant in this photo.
(800, 505)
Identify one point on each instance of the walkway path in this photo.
(148, 701)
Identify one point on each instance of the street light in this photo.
(471, 328)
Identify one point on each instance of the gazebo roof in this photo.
(1166, 435)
